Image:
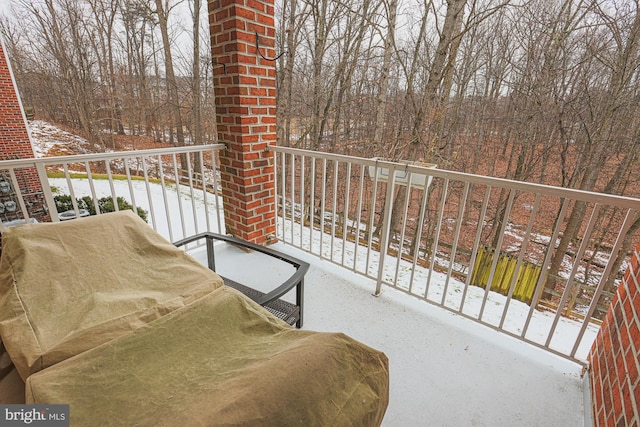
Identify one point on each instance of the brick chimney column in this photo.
(15, 143)
(245, 97)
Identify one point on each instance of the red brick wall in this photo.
(14, 139)
(245, 112)
(614, 365)
(15, 143)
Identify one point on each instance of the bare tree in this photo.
(162, 11)
(391, 10)
(195, 78)
(624, 28)
(105, 13)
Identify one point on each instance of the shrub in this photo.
(105, 204)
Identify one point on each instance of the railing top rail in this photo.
(6, 164)
(586, 196)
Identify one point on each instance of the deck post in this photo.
(386, 229)
(242, 46)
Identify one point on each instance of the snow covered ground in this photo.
(49, 140)
(445, 370)
(434, 285)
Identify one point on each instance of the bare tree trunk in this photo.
(383, 85)
(196, 126)
(66, 36)
(445, 54)
(285, 77)
(105, 15)
(320, 14)
(172, 84)
(195, 80)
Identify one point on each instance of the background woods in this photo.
(110, 67)
(544, 91)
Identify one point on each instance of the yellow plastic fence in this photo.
(525, 284)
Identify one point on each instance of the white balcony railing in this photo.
(176, 188)
(446, 242)
(446, 234)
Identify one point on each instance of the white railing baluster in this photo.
(130, 184)
(18, 193)
(48, 195)
(165, 199)
(497, 250)
(359, 218)
(418, 236)
(454, 247)
(92, 187)
(576, 265)
(282, 199)
(334, 210)
(312, 205)
(515, 238)
(372, 211)
(628, 221)
(345, 206)
(523, 250)
(386, 229)
(436, 239)
(293, 195)
(176, 176)
(216, 196)
(476, 245)
(323, 197)
(203, 182)
(192, 195)
(149, 196)
(72, 193)
(111, 186)
(302, 201)
(405, 214)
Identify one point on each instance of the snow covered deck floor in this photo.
(445, 370)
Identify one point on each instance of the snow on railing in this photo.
(446, 240)
(176, 189)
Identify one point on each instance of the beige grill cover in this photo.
(71, 286)
(220, 361)
(104, 314)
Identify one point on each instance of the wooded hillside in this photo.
(544, 91)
